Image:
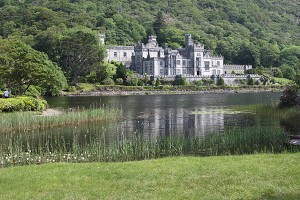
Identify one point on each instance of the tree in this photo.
(288, 72)
(264, 78)
(157, 82)
(277, 72)
(121, 71)
(269, 55)
(158, 26)
(289, 97)
(106, 70)
(80, 52)
(22, 67)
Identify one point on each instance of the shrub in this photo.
(157, 82)
(221, 81)
(180, 81)
(289, 97)
(198, 83)
(22, 104)
(251, 81)
(212, 82)
(119, 81)
(71, 89)
(140, 82)
(108, 81)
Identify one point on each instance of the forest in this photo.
(65, 33)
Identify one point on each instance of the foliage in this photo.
(121, 71)
(108, 81)
(157, 82)
(289, 97)
(198, 83)
(180, 81)
(22, 67)
(256, 32)
(80, 52)
(105, 70)
(132, 79)
(251, 82)
(119, 81)
(264, 79)
(22, 104)
(221, 81)
(277, 73)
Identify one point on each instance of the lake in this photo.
(153, 126)
(176, 114)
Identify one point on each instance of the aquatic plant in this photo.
(32, 148)
(26, 121)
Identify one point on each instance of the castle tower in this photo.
(188, 40)
(102, 38)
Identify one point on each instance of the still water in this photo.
(164, 115)
(152, 126)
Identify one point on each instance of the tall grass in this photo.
(31, 148)
(26, 121)
(270, 109)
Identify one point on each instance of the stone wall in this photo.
(229, 79)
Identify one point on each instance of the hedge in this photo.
(22, 104)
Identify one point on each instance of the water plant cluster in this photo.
(30, 148)
(270, 109)
(26, 121)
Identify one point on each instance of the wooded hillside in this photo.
(258, 32)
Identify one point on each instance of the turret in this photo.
(102, 38)
(188, 40)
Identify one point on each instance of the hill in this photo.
(258, 32)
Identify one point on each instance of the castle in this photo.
(154, 60)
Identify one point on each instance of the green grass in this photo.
(284, 81)
(260, 176)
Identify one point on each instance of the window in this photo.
(190, 65)
(125, 54)
(178, 62)
(198, 54)
(161, 72)
(214, 72)
(115, 54)
(218, 63)
(184, 63)
(178, 71)
(197, 62)
(161, 63)
(183, 71)
(206, 65)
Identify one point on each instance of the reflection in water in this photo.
(165, 115)
(291, 125)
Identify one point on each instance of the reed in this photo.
(270, 109)
(32, 148)
(26, 121)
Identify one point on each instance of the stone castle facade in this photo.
(154, 60)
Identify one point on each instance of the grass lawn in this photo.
(261, 176)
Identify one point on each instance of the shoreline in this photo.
(116, 92)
